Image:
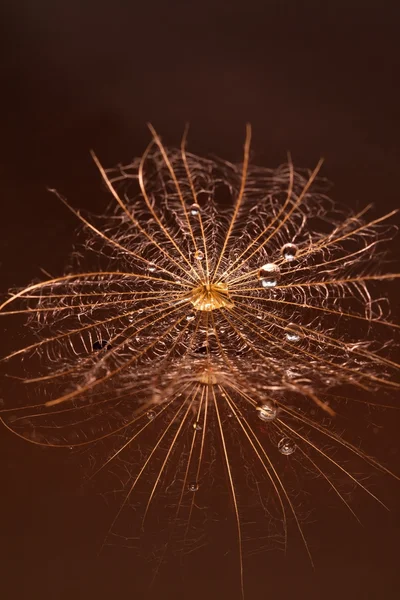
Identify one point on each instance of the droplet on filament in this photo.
(269, 275)
(289, 251)
(286, 446)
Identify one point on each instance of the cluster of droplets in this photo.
(270, 273)
(268, 412)
(269, 277)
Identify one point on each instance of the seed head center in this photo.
(210, 296)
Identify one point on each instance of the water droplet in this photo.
(289, 251)
(197, 426)
(151, 267)
(267, 412)
(189, 317)
(286, 446)
(150, 415)
(199, 255)
(269, 275)
(293, 333)
(193, 486)
(194, 209)
(140, 311)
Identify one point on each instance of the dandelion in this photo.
(219, 324)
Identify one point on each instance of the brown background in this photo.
(314, 78)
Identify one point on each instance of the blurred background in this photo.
(318, 79)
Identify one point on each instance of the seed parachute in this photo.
(220, 335)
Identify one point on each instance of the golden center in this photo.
(210, 296)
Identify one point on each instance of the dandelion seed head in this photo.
(229, 307)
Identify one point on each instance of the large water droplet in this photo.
(199, 255)
(293, 333)
(150, 415)
(269, 275)
(286, 446)
(194, 209)
(289, 251)
(267, 412)
(193, 486)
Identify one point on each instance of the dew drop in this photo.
(293, 333)
(189, 317)
(269, 275)
(193, 486)
(140, 311)
(194, 209)
(267, 412)
(199, 255)
(289, 251)
(150, 415)
(151, 267)
(286, 446)
(197, 426)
